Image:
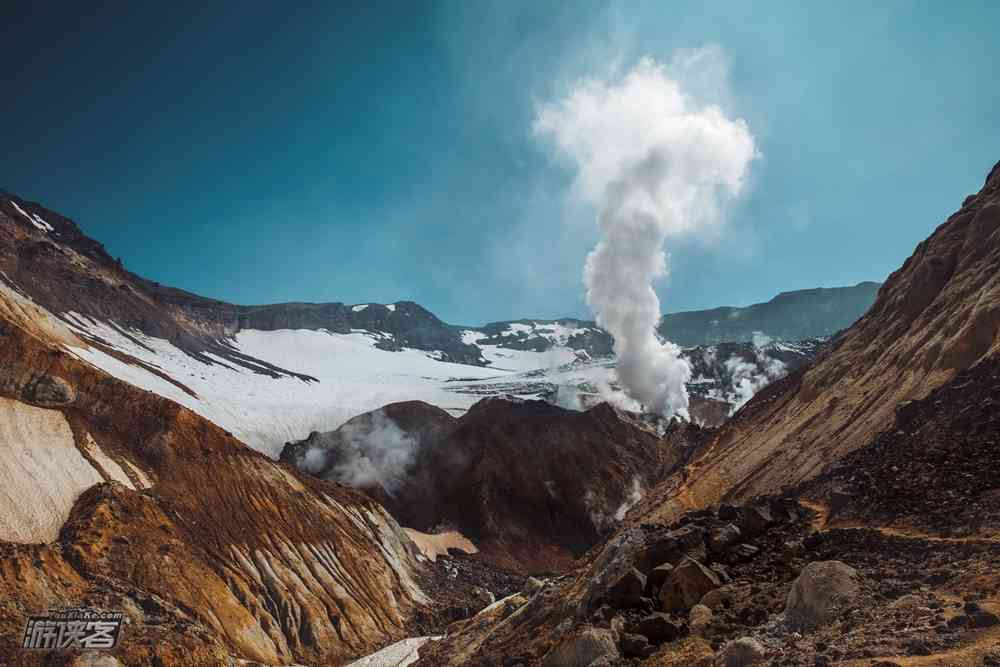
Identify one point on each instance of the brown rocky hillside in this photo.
(113, 497)
(935, 316)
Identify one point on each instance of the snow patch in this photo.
(41, 472)
(434, 545)
(400, 654)
(34, 218)
(264, 412)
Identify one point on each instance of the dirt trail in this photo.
(970, 654)
(822, 523)
(984, 643)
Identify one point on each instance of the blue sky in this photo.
(383, 151)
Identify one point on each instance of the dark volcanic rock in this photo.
(658, 628)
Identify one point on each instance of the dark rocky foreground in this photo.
(532, 484)
(892, 558)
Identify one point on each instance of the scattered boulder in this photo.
(583, 649)
(728, 512)
(484, 596)
(48, 391)
(823, 591)
(659, 575)
(742, 552)
(722, 537)
(719, 597)
(672, 546)
(635, 646)
(686, 585)
(532, 586)
(619, 555)
(754, 520)
(657, 628)
(699, 618)
(628, 591)
(792, 551)
(743, 652)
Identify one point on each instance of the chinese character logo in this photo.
(73, 629)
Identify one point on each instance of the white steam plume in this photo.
(657, 163)
(364, 452)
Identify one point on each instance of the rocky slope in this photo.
(889, 559)
(935, 316)
(116, 498)
(532, 485)
(881, 547)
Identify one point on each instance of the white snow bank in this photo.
(265, 412)
(34, 218)
(400, 654)
(41, 472)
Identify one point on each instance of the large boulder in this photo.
(672, 547)
(627, 591)
(532, 586)
(720, 538)
(686, 585)
(657, 628)
(635, 646)
(754, 520)
(699, 618)
(659, 575)
(743, 652)
(583, 649)
(823, 591)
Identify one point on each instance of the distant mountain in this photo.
(790, 316)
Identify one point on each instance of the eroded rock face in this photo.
(823, 591)
(214, 552)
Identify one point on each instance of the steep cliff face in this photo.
(935, 316)
(117, 498)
